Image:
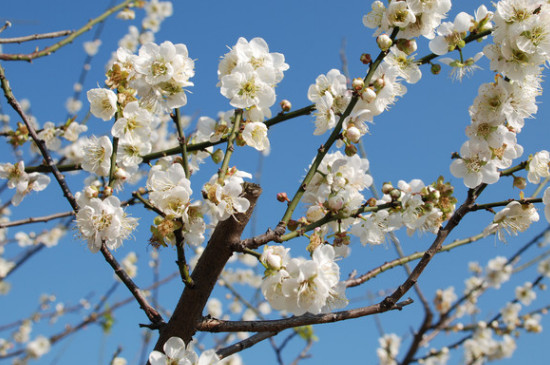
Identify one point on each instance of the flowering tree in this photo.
(136, 154)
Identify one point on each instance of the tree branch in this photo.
(277, 325)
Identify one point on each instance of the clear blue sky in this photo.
(414, 139)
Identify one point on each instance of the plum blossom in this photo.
(514, 218)
(176, 352)
(103, 103)
(298, 285)
(104, 221)
(97, 155)
(539, 166)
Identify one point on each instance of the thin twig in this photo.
(33, 37)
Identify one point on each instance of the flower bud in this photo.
(217, 156)
(379, 83)
(286, 105)
(368, 95)
(350, 150)
(335, 203)
(357, 84)
(384, 42)
(353, 134)
(406, 45)
(108, 191)
(395, 194)
(282, 197)
(436, 69)
(387, 187)
(520, 182)
(366, 58)
(314, 213)
(371, 202)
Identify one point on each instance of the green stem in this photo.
(229, 150)
(183, 144)
(323, 150)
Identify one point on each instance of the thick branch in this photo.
(211, 263)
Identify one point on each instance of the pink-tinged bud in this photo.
(108, 191)
(387, 187)
(384, 42)
(357, 83)
(91, 192)
(436, 69)
(406, 45)
(350, 150)
(335, 203)
(353, 134)
(121, 174)
(217, 156)
(368, 95)
(282, 197)
(286, 105)
(366, 58)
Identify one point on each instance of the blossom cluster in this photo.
(223, 198)
(248, 75)
(420, 208)
(521, 38)
(297, 285)
(103, 221)
(170, 192)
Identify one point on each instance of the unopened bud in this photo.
(217, 156)
(371, 202)
(384, 42)
(108, 191)
(350, 150)
(436, 69)
(406, 45)
(387, 187)
(282, 197)
(395, 194)
(335, 203)
(286, 105)
(379, 83)
(368, 95)
(357, 84)
(353, 134)
(520, 182)
(366, 58)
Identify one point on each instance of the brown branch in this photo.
(39, 143)
(51, 49)
(36, 219)
(205, 275)
(435, 247)
(33, 37)
(277, 325)
(244, 344)
(150, 312)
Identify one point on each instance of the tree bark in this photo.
(219, 249)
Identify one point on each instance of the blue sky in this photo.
(414, 139)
